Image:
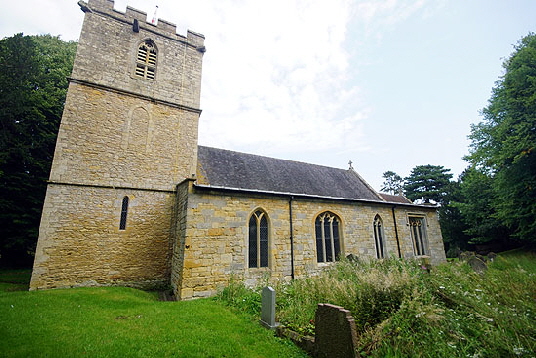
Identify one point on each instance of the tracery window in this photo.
(146, 60)
(379, 237)
(418, 235)
(258, 240)
(327, 233)
(124, 212)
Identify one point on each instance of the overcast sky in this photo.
(388, 84)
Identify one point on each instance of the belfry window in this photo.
(379, 238)
(418, 235)
(124, 212)
(258, 240)
(328, 245)
(146, 60)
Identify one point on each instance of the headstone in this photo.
(268, 308)
(335, 332)
(477, 264)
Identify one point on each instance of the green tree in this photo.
(475, 204)
(392, 183)
(33, 85)
(427, 182)
(453, 227)
(503, 145)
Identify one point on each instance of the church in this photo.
(133, 199)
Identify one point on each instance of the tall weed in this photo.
(402, 310)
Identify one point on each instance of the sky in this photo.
(386, 84)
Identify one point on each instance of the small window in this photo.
(258, 240)
(328, 246)
(146, 60)
(418, 235)
(379, 237)
(124, 212)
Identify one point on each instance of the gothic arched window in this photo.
(258, 240)
(379, 238)
(327, 233)
(418, 235)
(146, 60)
(124, 212)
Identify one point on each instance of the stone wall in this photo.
(107, 49)
(120, 135)
(80, 243)
(215, 237)
(111, 139)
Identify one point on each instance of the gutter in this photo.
(309, 196)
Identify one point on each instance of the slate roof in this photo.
(220, 168)
(395, 198)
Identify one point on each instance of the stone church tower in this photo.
(128, 135)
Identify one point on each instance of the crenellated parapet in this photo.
(131, 15)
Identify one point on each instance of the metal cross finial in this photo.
(350, 164)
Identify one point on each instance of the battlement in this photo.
(162, 27)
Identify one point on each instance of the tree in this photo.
(503, 145)
(453, 227)
(33, 86)
(393, 183)
(427, 182)
(476, 208)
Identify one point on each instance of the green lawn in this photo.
(124, 322)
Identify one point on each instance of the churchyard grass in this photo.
(124, 322)
(402, 310)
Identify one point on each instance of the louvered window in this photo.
(258, 240)
(418, 235)
(379, 237)
(146, 60)
(328, 246)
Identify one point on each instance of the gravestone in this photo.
(268, 308)
(335, 332)
(477, 264)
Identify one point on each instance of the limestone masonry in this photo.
(133, 200)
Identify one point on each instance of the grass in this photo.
(124, 322)
(402, 310)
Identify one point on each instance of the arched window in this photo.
(418, 235)
(327, 233)
(258, 239)
(379, 237)
(124, 212)
(146, 60)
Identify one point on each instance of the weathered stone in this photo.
(335, 332)
(268, 308)
(477, 264)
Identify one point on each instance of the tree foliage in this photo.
(503, 145)
(427, 182)
(33, 86)
(392, 183)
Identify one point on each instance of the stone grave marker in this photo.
(477, 264)
(335, 332)
(268, 308)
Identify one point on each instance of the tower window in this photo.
(124, 212)
(328, 247)
(146, 60)
(258, 240)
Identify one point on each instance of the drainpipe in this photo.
(291, 238)
(396, 232)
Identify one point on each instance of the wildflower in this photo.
(442, 287)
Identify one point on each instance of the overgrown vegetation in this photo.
(124, 322)
(402, 310)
